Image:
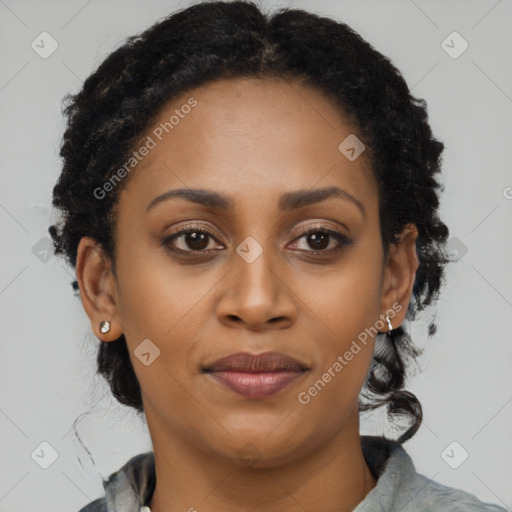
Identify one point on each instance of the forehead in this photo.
(247, 137)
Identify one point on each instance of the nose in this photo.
(256, 295)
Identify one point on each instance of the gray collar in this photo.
(399, 486)
(132, 486)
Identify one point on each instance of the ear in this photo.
(399, 275)
(98, 289)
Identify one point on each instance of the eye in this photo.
(196, 238)
(319, 238)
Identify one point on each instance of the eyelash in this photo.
(341, 239)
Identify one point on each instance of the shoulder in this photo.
(128, 488)
(401, 487)
(99, 505)
(425, 494)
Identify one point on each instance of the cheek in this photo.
(168, 304)
(346, 300)
(155, 295)
(157, 301)
(346, 307)
(348, 311)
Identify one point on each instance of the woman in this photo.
(249, 201)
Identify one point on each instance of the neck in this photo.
(333, 476)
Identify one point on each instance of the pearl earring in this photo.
(104, 327)
(390, 325)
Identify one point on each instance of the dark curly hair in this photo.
(221, 40)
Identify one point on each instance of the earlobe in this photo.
(400, 274)
(98, 289)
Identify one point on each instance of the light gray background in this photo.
(48, 355)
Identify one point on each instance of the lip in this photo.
(256, 375)
(255, 363)
(257, 385)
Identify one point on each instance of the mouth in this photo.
(256, 376)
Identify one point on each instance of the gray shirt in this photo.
(399, 487)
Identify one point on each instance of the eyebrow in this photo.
(288, 201)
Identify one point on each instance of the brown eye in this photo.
(320, 238)
(196, 240)
(318, 241)
(188, 240)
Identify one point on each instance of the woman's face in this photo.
(265, 155)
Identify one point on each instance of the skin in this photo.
(252, 140)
